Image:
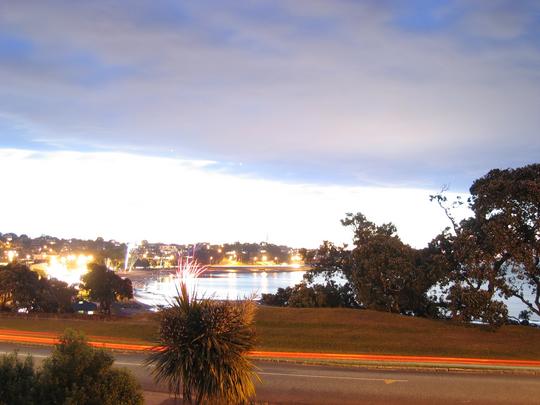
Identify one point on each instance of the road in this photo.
(285, 383)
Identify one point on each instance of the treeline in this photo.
(24, 290)
(30, 249)
(462, 274)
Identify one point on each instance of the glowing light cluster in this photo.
(11, 254)
(69, 269)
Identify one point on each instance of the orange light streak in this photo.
(47, 338)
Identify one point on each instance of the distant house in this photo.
(84, 307)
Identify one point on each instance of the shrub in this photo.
(202, 348)
(77, 373)
(317, 295)
(17, 380)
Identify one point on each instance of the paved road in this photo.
(288, 383)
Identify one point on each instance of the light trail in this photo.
(45, 338)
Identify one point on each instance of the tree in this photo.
(496, 251)
(54, 296)
(468, 304)
(524, 317)
(384, 273)
(77, 373)
(472, 279)
(19, 287)
(22, 288)
(330, 294)
(17, 380)
(506, 205)
(202, 349)
(279, 299)
(106, 287)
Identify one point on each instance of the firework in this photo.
(188, 269)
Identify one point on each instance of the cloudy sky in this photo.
(246, 120)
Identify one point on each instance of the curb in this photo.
(424, 367)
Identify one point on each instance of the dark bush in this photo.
(318, 295)
(17, 380)
(22, 288)
(203, 350)
(77, 373)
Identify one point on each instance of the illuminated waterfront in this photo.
(158, 288)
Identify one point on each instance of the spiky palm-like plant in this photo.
(203, 347)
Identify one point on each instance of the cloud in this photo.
(132, 197)
(342, 92)
(501, 20)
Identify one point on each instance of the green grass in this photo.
(132, 330)
(333, 330)
(360, 331)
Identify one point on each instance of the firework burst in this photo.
(188, 269)
(187, 272)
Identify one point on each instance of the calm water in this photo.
(156, 289)
(231, 284)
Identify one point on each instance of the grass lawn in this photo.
(332, 330)
(362, 331)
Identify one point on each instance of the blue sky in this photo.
(388, 94)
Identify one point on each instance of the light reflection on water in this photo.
(160, 289)
(231, 284)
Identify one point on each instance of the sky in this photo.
(258, 120)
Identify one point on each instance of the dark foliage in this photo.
(506, 206)
(495, 252)
(17, 380)
(318, 295)
(383, 272)
(106, 287)
(22, 288)
(77, 373)
(202, 350)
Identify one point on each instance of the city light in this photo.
(69, 269)
(296, 258)
(11, 254)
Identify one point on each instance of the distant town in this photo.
(49, 250)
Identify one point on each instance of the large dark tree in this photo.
(19, 287)
(56, 296)
(473, 279)
(385, 273)
(506, 206)
(496, 251)
(106, 287)
(22, 288)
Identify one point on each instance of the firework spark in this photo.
(188, 269)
